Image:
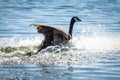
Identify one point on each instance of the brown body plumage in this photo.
(53, 36)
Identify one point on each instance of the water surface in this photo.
(92, 54)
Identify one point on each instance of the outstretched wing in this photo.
(53, 36)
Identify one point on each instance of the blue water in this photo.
(92, 54)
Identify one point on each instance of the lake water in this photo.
(92, 54)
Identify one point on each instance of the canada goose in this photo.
(52, 35)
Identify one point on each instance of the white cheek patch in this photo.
(75, 19)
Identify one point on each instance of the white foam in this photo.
(85, 49)
(5, 42)
(97, 43)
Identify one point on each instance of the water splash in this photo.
(98, 43)
(81, 49)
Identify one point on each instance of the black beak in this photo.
(79, 19)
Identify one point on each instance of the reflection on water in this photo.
(92, 54)
(50, 72)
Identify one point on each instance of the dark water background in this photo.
(92, 54)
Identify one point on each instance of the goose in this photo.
(53, 36)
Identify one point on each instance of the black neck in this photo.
(71, 26)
